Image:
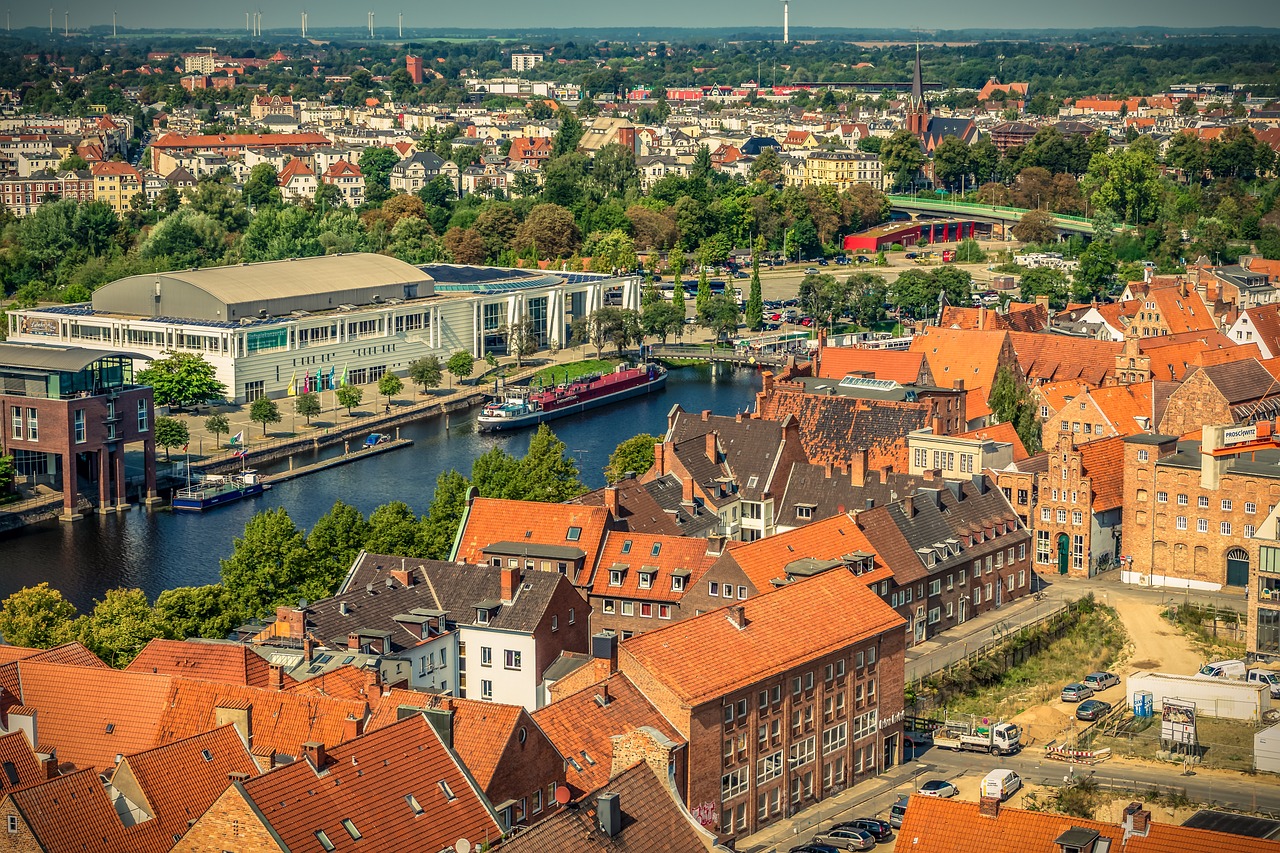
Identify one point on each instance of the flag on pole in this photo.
(293, 384)
(342, 377)
(332, 368)
(306, 383)
(236, 439)
(241, 453)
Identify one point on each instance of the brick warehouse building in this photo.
(777, 697)
(70, 413)
(1191, 508)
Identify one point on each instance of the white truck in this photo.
(1214, 697)
(979, 736)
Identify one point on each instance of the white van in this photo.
(1235, 669)
(1267, 677)
(1001, 784)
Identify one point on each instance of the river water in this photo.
(160, 550)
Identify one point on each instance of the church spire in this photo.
(917, 81)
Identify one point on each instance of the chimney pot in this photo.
(989, 806)
(713, 452)
(611, 502)
(706, 415)
(314, 752)
(858, 467)
(660, 458)
(909, 506)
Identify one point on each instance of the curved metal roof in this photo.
(41, 357)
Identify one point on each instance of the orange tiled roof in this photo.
(708, 656)
(635, 552)
(367, 780)
(973, 356)
(1053, 358)
(582, 728)
(766, 559)
(293, 169)
(491, 520)
(16, 750)
(1003, 432)
(1055, 395)
(240, 140)
(232, 663)
(901, 366)
(1123, 405)
(1103, 462)
(342, 168)
(1018, 831)
(1182, 313)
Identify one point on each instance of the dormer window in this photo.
(646, 580)
(804, 511)
(574, 534)
(482, 616)
(615, 577)
(677, 583)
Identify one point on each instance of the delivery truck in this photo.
(979, 736)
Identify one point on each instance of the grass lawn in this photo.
(558, 373)
(1093, 643)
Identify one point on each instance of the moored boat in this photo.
(521, 406)
(213, 490)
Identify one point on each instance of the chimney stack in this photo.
(604, 646)
(660, 458)
(826, 470)
(276, 680)
(686, 490)
(1137, 820)
(404, 575)
(858, 467)
(609, 812)
(909, 506)
(510, 579)
(352, 728)
(989, 807)
(308, 648)
(738, 615)
(611, 502)
(314, 751)
(713, 452)
(706, 415)
(715, 544)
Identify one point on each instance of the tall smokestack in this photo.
(786, 21)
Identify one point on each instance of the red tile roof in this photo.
(240, 140)
(633, 553)
(367, 781)
(211, 660)
(953, 354)
(1054, 358)
(1102, 461)
(16, 750)
(583, 729)
(491, 520)
(933, 825)
(342, 168)
(901, 366)
(766, 559)
(1124, 405)
(708, 656)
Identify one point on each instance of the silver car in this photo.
(846, 838)
(1076, 692)
(1099, 681)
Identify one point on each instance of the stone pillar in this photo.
(149, 468)
(69, 492)
(104, 481)
(122, 497)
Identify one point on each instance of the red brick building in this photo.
(777, 698)
(70, 412)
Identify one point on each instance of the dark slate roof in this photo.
(638, 510)
(753, 146)
(751, 447)
(812, 486)
(441, 585)
(669, 495)
(832, 426)
(1240, 381)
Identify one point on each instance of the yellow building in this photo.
(116, 184)
(842, 169)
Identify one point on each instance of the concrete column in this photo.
(122, 497)
(104, 482)
(69, 489)
(149, 468)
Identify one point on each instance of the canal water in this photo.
(160, 550)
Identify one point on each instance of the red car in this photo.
(807, 321)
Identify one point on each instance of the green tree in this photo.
(461, 364)
(448, 503)
(496, 474)
(1125, 183)
(1096, 272)
(767, 167)
(703, 296)
(73, 163)
(182, 379)
(349, 396)
(262, 186)
(1011, 403)
(661, 319)
(120, 625)
(632, 456)
(426, 371)
(334, 542)
(376, 163)
(8, 474)
(36, 617)
(393, 529)
(569, 135)
(951, 161)
(217, 424)
(901, 157)
(171, 432)
(307, 404)
(546, 474)
(1043, 281)
(264, 411)
(755, 299)
(389, 386)
(1035, 226)
(198, 611)
(720, 316)
(268, 565)
(522, 340)
(676, 260)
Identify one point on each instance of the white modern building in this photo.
(324, 319)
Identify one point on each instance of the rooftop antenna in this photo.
(786, 21)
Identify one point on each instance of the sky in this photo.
(945, 14)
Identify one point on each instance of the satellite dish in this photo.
(562, 795)
(463, 846)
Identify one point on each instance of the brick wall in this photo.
(526, 767)
(229, 826)
(1068, 501)
(1195, 403)
(568, 636)
(23, 840)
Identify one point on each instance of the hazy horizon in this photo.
(507, 14)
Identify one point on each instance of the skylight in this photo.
(351, 829)
(413, 804)
(447, 791)
(206, 755)
(323, 838)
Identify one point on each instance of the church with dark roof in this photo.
(931, 129)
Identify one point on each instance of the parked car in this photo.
(846, 838)
(822, 262)
(1236, 669)
(1099, 681)
(898, 811)
(1092, 709)
(811, 847)
(880, 829)
(842, 260)
(1267, 677)
(810, 270)
(937, 788)
(1001, 784)
(863, 259)
(1076, 691)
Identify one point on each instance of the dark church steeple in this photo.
(917, 109)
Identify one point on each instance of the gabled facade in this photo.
(1077, 514)
(415, 171)
(348, 179)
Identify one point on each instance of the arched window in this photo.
(1237, 567)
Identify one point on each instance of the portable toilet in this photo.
(1143, 705)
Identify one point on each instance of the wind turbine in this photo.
(786, 21)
